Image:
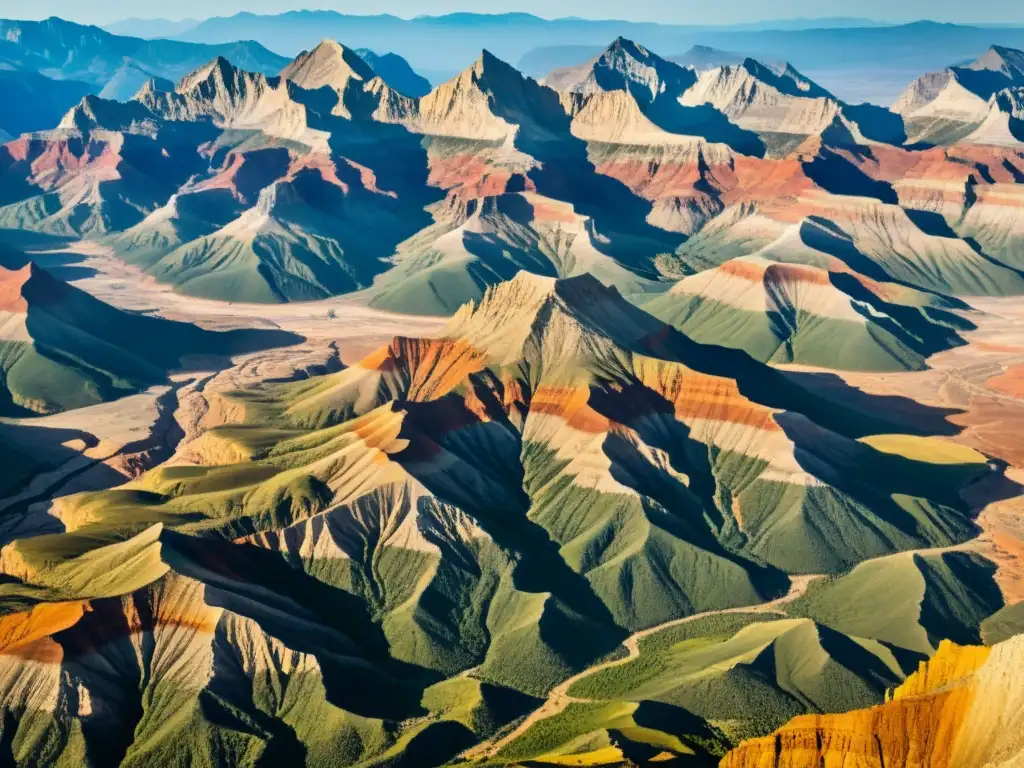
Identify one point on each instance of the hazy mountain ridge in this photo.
(439, 47)
(63, 60)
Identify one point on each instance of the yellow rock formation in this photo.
(962, 709)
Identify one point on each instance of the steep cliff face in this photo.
(962, 709)
(334, 67)
(625, 66)
(955, 104)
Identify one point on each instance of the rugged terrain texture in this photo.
(328, 179)
(721, 430)
(49, 65)
(963, 708)
(977, 102)
(394, 527)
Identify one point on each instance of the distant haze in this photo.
(687, 12)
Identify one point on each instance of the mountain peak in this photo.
(396, 72)
(330, 64)
(785, 78)
(149, 88)
(628, 66)
(218, 71)
(222, 65)
(572, 313)
(489, 100)
(1006, 61)
(625, 45)
(527, 291)
(488, 63)
(493, 70)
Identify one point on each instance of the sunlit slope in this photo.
(749, 674)
(485, 514)
(478, 244)
(878, 241)
(665, 488)
(760, 451)
(794, 313)
(910, 601)
(163, 648)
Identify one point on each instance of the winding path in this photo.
(558, 698)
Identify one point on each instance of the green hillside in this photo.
(781, 313)
(908, 601)
(64, 349)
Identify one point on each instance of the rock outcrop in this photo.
(962, 709)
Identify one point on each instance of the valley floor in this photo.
(356, 328)
(559, 698)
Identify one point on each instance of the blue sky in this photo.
(678, 11)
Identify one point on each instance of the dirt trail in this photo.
(558, 699)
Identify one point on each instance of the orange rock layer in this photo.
(918, 728)
(12, 283)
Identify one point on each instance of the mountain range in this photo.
(47, 66)
(163, 28)
(871, 62)
(658, 410)
(326, 179)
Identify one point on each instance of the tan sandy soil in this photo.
(1002, 524)
(108, 428)
(202, 404)
(356, 328)
(982, 379)
(1010, 382)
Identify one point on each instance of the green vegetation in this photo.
(879, 344)
(880, 242)
(748, 672)
(632, 731)
(908, 601)
(389, 564)
(1003, 624)
(658, 653)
